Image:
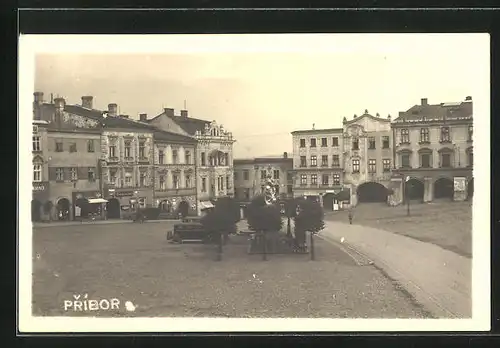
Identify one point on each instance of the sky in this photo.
(262, 87)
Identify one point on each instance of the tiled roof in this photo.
(316, 131)
(173, 137)
(436, 112)
(189, 124)
(121, 122)
(80, 110)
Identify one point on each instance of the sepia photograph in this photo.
(291, 182)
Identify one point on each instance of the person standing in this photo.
(350, 216)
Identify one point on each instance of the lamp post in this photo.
(408, 199)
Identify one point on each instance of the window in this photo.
(276, 174)
(302, 142)
(385, 142)
(246, 174)
(335, 161)
(142, 149)
(314, 161)
(289, 176)
(188, 157)
(314, 179)
(355, 144)
(445, 160)
(355, 165)
(335, 141)
(203, 159)
(90, 146)
(175, 180)
(142, 179)
(235, 174)
(74, 174)
(372, 166)
(371, 143)
(59, 146)
(37, 172)
(112, 151)
(59, 174)
(445, 134)
(303, 179)
(424, 135)
(313, 142)
(324, 142)
(289, 189)
(161, 157)
(405, 161)
(425, 160)
(112, 176)
(470, 159)
(386, 163)
(174, 156)
(228, 182)
(263, 174)
(303, 161)
(188, 181)
(324, 161)
(336, 179)
(203, 184)
(162, 182)
(471, 129)
(128, 149)
(72, 147)
(405, 136)
(36, 143)
(91, 174)
(221, 179)
(128, 179)
(324, 179)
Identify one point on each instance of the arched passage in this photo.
(414, 190)
(371, 192)
(184, 208)
(470, 189)
(62, 207)
(166, 206)
(36, 207)
(113, 208)
(328, 199)
(443, 188)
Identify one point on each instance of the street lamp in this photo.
(407, 189)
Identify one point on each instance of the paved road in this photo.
(439, 279)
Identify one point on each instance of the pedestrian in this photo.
(350, 216)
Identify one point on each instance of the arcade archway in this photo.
(113, 208)
(36, 207)
(328, 199)
(63, 206)
(166, 206)
(372, 192)
(443, 188)
(183, 208)
(470, 189)
(414, 190)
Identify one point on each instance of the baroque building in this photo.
(434, 151)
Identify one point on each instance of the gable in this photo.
(371, 124)
(166, 124)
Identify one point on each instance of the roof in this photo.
(263, 160)
(189, 124)
(436, 112)
(121, 122)
(173, 137)
(316, 131)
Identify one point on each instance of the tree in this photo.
(263, 218)
(309, 219)
(221, 221)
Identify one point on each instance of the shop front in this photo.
(124, 201)
(172, 203)
(40, 197)
(88, 205)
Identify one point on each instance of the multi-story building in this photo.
(127, 163)
(214, 154)
(69, 156)
(250, 176)
(40, 178)
(317, 162)
(175, 171)
(433, 151)
(367, 148)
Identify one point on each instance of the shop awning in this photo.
(97, 200)
(206, 205)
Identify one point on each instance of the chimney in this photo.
(60, 103)
(37, 102)
(143, 117)
(112, 110)
(38, 98)
(285, 155)
(468, 98)
(169, 112)
(184, 113)
(87, 101)
(423, 101)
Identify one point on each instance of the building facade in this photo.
(70, 156)
(434, 151)
(214, 153)
(318, 158)
(250, 176)
(40, 175)
(368, 157)
(175, 172)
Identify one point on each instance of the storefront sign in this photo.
(123, 193)
(38, 186)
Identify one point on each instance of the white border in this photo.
(29, 45)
